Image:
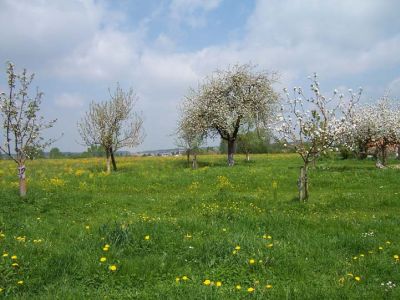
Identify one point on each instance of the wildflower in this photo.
(357, 278)
(177, 279)
(380, 248)
(238, 287)
(112, 268)
(87, 227)
(103, 259)
(234, 251)
(14, 257)
(252, 261)
(396, 257)
(268, 286)
(1, 289)
(270, 245)
(218, 283)
(388, 242)
(185, 278)
(250, 289)
(21, 282)
(105, 249)
(362, 255)
(207, 282)
(5, 254)
(224, 229)
(350, 274)
(188, 236)
(147, 237)
(355, 257)
(15, 265)
(237, 248)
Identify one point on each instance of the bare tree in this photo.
(229, 99)
(113, 124)
(22, 125)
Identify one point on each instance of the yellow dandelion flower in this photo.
(106, 246)
(396, 257)
(5, 254)
(207, 282)
(87, 227)
(218, 283)
(112, 268)
(370, 252)
(268, 286)
(177, 279)
(350, 274)
(15, 265)
(224, 229)
(1, 289)
(252, 261)
(380, 248)
(270, 245)
(103, 259)
(388, 242)
(362, 255)
(357, 278)
(234, 251)
(238, 287)
(188, 236)
(237, 248)
(185, 278)
(147, 237)
(21, 282)
(355, 257)
(105, 249)
(250, 289)
(14, 257)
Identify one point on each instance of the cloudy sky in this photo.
(80, 48)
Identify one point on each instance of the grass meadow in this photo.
(159, 230)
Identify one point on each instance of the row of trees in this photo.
(234, 104)
(311, 123)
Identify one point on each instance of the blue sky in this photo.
(161, 48)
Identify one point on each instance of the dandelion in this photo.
(87, 227)
(270, 245)
(207, 282)
(252, 261)
(112, 268)
(188, 236)
(234, 251)
(105, 249)
(177, 279)
(238, 287)
(388, 242)
(103, 259)
(237, 248)
(185, 278)
(14, 257)
(357, 278)
(1, 290)
(355, 257)
(218, 283)
(380, 248)
(250, 289)
(5, 254)
(15, 265)
(268, 286)
(224, 229)
(147, 237)
(21, 282)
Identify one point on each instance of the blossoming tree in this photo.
(22, 124)
(313, 125)
(113, 124)
(227, 100)
(375, 125)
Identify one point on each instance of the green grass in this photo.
(195, 219)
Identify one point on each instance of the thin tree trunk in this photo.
(108, 161)
(247, 156)
(231, 152)
(114, 164)
(384, 155)
(303, 183)
(194, 162)
(188, 157)
(22, 180)
(398, 151)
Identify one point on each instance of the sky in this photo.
(80, 48)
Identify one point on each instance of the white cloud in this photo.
(192, 12)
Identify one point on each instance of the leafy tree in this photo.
(22, 124)
(55, 153)
(226, 101)
(112, 124)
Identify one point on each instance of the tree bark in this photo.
(188, 157)
(398, 152)
(384, 154)
(108, 161)
(22, 180)
(231, 152)
(303, 183)
(114, 164)
(194, 162)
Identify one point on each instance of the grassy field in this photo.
(168, 232)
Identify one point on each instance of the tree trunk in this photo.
(398, 152)
(247, 156)
(114, 164)
(108, 162)
(188, 157)
(384, 155)
(22, 180)
(194, 162)
(303, 183)
(231, 151)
